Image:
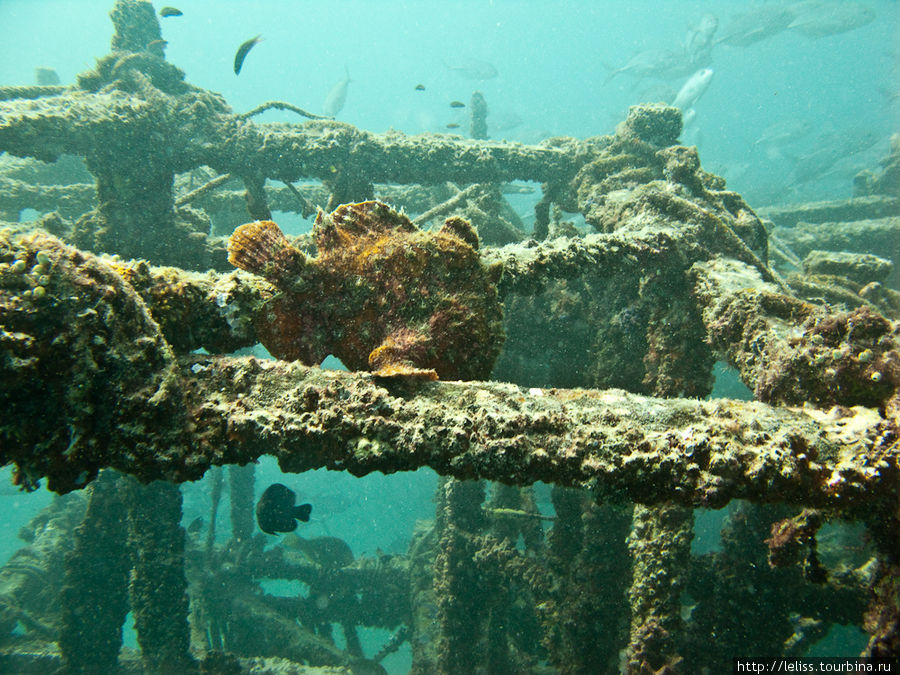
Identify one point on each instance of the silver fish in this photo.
(650, 62)
(700, 37)
(474, 69)
(816, 19)
(693, 89)
(784, 133)
(756, 25)
(337, 97)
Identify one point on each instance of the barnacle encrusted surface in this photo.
(381, 295)
(88, 380)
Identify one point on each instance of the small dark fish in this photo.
(329, 552)
(242, 52)
(170, 11)
(276, 510)
(46, 76)
(154, 44)
(453, 125)
(457, 104)
(420, 87)
(196, 525)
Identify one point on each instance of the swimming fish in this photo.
(699, 38)
(337, 97)
(46, 76)
(329, 552)
(170, 11)
(693, 89)
(785, 132)
(756, 25)
(518, 513)
(457, 104)
(242, 52)
(196, 525)
(654, 62)
(276, 510)
(820, 19)
(156, 45)
(453, 125)
(420, 87)
(474, 69)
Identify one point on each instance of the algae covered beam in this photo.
(320, 149)
(84, 123)
(621, 445)
(88, 380)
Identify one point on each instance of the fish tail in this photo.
(261, 248)
(302, 511)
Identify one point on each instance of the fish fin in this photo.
(302, 511)
(400, 355)
(260, 247)
(401, 370)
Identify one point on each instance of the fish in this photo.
(45, 76)
(157, 44)
(518, 513)
(420, 87)
(457, 104)
(170, 11)
(650, 63)
(196, 525)
(328, 552)
(699, 37)
(816, 19)
(242, 52)
(693, 89)
(504, 121)
(784, 132)
(453, 125)
(474, 69)
(337, 97)
(276, 510)
(756, 25)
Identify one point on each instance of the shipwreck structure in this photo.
(119, 312)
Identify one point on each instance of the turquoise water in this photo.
(552, 60)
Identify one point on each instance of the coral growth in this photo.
(381, 295)
(87, 376)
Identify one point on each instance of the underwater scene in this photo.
(475, 336)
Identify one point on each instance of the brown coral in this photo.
(381, 295)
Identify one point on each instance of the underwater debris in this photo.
(861, 268)
(84, 352)
(793, 542)
(381, 295)
(277, 510)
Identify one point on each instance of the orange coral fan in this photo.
(381, 295)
